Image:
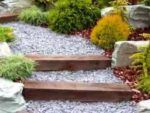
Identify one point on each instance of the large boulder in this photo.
(123, 50)
(11, 99)
(144, 106)
(138, 15)
(14, 6)
(4, 49)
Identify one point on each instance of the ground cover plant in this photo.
(73, 15)
(6, 34)
(34, 16)
(16, 67)
(108, 30)
(142, 60)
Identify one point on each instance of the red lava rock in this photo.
(130, 76)
(108, 53)
(135, 35)
(84, 33)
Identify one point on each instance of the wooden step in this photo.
(44, 90)
(58, 63)
(8, 18)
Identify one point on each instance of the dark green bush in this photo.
(33, 16)
(73, 15)
(16, 67)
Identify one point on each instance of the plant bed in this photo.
(8, 18)
(82, 62)
(130, 77)
(34, 90)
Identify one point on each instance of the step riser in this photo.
(72, 63)
(76, 91)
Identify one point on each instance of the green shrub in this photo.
(72, 15)
(33, 16)
(6, 34)
(142, 60)
(108, 30)
(16, 67)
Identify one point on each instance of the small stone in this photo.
(144, 106)
(4, 50)
(11, 99)
(123, 50)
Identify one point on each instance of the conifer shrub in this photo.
(73, 15)
(16, 67)
(6, 34)
(33, 16)
(108, 30)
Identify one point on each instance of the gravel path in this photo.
(96, 76)
(78, 107)
(32, 39)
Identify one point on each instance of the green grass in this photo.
(16, 67)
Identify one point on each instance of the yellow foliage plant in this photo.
(108, 30)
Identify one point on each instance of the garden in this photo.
(74, 56)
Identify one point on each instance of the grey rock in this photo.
(13, 6)
(5, 50)
(138, 15)
(106, 11)
(11, 99)
(144, 106)
(123, 50)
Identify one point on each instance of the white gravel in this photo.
(78, 107)
(96, 76)
(32, 39)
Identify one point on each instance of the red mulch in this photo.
(84, 33)
(130, 76)
(135, 35)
